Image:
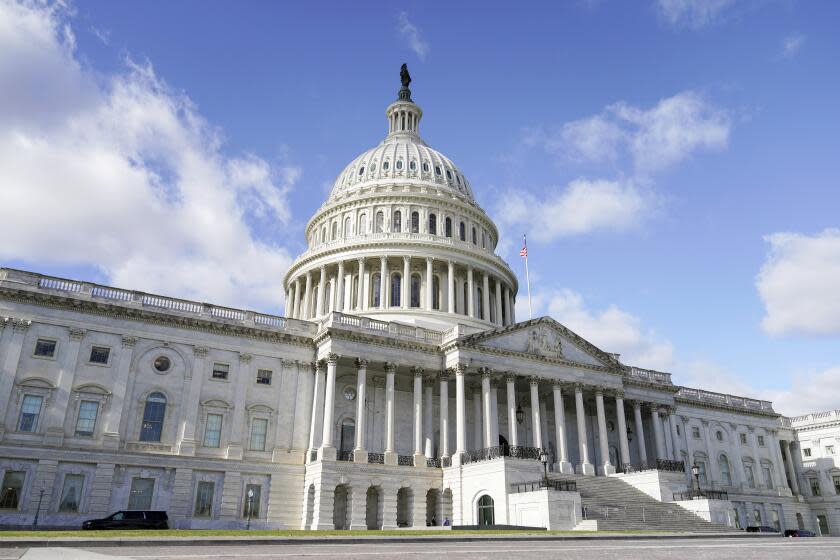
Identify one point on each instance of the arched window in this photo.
(447, 226)
(725, 473)
(483, 240)
(462, 231)
(415, 222)
(386, 164)
(362, 224)
(435, 292)
(412, 165)
(415, 290)
(153, 415)
(380, 222)
(474, 237)
(486, 511)
(313, 305)
(324, 234)
(375, 290)
(425, 167)
(399, 164)
(347, 227)
(396, 285)
(334, 231)
(396, 224)
(432, 224)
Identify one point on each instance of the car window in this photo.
(119, 516)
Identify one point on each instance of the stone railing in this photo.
(551, 484)
(32, 282)
(405, 460)
(814, 418)
(657, 465)
(695, 494)
(376, 458)
(649, 375)
(398, 330)
(490, 453)
(721, 399)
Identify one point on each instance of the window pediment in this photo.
(36, 383)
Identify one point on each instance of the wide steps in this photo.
(616, 505)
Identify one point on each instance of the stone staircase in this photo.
(618, 506)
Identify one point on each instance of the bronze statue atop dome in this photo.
(405, 77)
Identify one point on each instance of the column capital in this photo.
(636, 403)
(429, 259)
(332, 358)
(362, 363)
(685, 419)
(599, 391)
(244, 358)
(443, 375)
(383, 259)
(460, 368)
(319, 366)
(484, 371)
(361, 261)
(534, 381)
(510, 377)
(579, 387)
(390, 367)
(200, 351)
(19, 325)
(417, 371)
(76, 334)
(619, 395)
(406, 258)
(128, 341)
(559, 385)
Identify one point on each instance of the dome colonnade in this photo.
(401, 237)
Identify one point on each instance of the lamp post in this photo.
(520, 414)
(695, 470)
(250, 507)
(38, 511)
(544, 459)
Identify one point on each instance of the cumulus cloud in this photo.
(582, 206)
(693, 13)
(791, 45)
(409, 32)
(611, 329)
(121, 173)
(798, 284)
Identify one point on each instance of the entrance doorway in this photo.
(486, 511)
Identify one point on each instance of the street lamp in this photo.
(695, 470)
(38, 511)
(520, 414)
(250, 507)
(544, 459)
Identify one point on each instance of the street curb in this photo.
(25, 542)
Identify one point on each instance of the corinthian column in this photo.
(511, 404)
(360, 452)
(563, 464)
(429, 283)
(460, 414)
(624, 445)
(444, 414)
(322, 286)
(361, 299)
(485, 298)
(450, 287)
(585, 467)
(405, 289)
(328, 451)
(485, 397)
(607, 468)
(535, 412)
(471, 292)
(390, 450)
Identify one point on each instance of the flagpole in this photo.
(528, 277)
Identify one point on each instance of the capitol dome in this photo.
(401, 238)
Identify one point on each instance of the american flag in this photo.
(524, 251)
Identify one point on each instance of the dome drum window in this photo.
(386, 164)
(362, 170)
(399, 164)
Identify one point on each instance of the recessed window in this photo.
(263, 377)
(412, 165)
(719, 435)
(695, 432)
(220, 371)
(12, 489)
(153, 415)
(362, 170)
(679, 432)
(45, 348)
(259, 429)
(806, 451)
(399, 164)
(213, 430)
(448, 175)
(204, 498)
(162, 363)
(761, 441)
(743, 438)
(386, 165)
(437, 170)
(425, 167)
(86, 422)
(30, 410)
(99, 354)
(140, 496)
(251, 508)
(71, 493)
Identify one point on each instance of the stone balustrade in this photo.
(813, 418)
(722, 399)
(650, 375)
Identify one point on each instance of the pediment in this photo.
(542, 338)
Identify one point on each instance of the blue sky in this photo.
(674, 162)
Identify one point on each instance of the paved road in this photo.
(715, 549)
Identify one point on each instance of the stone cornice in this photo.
(372, 338)
(148, 316)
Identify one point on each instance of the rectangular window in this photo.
(750, 475)
(251, 507)
(71, 494)
(761, 441)
(768, 479)
(263, 377)
(695, 432)
(815, 486)
(204, 499)
(30, 410)
(743, 439)
(829, 450)
(702, 473)
(45, 348)
(99, 354)
(806, 451)
(213, 430)
(141, 493)
(220, 371)
(86, 422)
(12, 489)
(259, 427)
(837, 484)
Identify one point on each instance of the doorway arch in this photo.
(341, 504)
(486, 511)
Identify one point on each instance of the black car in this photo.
(135, 519)
(761, 529)
(799, 533)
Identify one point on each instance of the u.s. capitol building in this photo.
(398, 390)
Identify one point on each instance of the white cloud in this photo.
(654, 139)
(583, 206)
(121, 173)
(798, 284)
(791, 45)
(611, 329)
(693, 13)
(411, 34)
